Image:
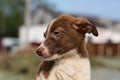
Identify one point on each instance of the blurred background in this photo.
(23, 22)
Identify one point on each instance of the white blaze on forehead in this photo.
(51, 24)
(42, 45)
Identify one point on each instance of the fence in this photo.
(108, 49)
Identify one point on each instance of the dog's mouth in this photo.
(50, 57)
(43, 54)
(46, 55)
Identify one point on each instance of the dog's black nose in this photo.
(38, 51)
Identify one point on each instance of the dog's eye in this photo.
(45, 35)
(56, 33)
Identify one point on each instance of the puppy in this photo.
(63, 52)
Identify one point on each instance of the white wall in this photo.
(33, 33)
(105, 35)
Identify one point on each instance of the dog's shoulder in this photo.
(72, 69)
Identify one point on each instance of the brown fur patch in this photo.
(63, 35)
(45, 67)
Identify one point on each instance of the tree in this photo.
(11, 17)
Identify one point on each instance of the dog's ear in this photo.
(83, 26)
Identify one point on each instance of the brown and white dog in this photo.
(63, 52)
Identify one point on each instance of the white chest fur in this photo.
(69, 67)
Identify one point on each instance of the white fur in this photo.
(70, 67)
(53, 57)
(51, 24)
(38, 78)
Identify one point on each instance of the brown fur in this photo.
(66, 33)
(45, 67)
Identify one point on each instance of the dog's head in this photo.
(63, 34)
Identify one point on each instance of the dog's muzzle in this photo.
(39, 51)
(42, 51)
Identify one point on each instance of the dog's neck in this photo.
(69, 55)
(82, 51)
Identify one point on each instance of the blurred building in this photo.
(108, 42)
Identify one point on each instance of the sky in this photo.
(109, 9)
